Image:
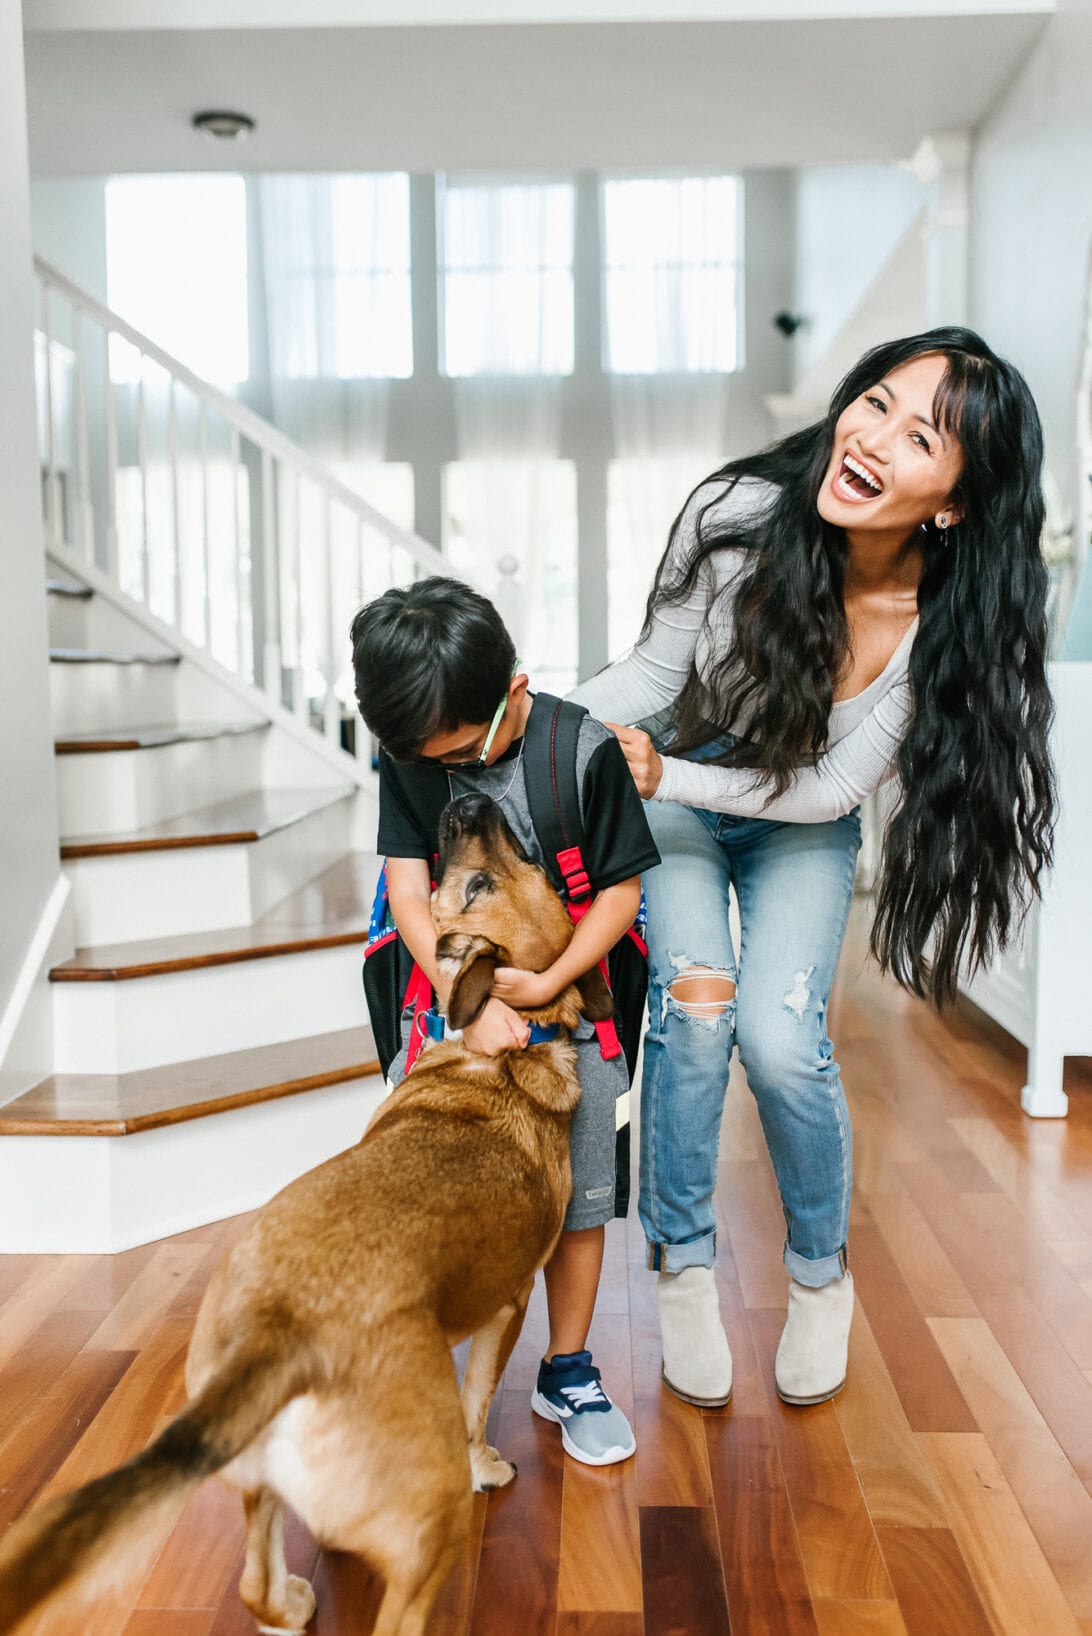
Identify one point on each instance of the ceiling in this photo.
(786, 90)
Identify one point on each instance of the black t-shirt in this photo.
(617, 840)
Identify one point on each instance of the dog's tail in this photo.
(101, 1531)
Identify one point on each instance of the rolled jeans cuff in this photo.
(699, 1252)
(828, 1269)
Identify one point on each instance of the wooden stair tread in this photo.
(66, 587)
(100, 656)
(153, 738)
(121, 1104)
(331, 910)
(241, 819)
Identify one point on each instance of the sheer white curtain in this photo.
(510, 501)
(671, 254)
(335, 252)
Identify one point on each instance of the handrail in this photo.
(277, 583)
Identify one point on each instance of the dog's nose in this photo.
(471, 810)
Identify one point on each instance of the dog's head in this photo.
(493, 907)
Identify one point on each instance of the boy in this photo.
(437, 679)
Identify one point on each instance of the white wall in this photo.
(68, 223)
(1031, 222)
(29, 865)
(849, 219)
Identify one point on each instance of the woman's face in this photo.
(891, 468)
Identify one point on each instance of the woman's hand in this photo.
(643, 759)
(527, 988)
(497, 1028)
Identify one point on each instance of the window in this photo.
(643, 498)
(506, 276)
(672, 274)
(510, 528)
(176, 269)
(337, 266)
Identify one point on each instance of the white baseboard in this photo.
(97, 1195)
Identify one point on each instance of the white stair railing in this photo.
(195, 507)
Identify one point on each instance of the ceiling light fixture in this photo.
(229, 127)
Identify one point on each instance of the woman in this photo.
(865, 598)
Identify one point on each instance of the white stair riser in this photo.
(98, 1195)
(89, 622)
(112, 792)
(130, 895)
(94, 698)
(122, 1027)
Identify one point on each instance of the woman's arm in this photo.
(850, 770)
(651, 677)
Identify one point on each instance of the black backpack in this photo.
(393, 982)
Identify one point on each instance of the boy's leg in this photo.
(568, 1391)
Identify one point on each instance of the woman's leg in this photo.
(687, 1050)
(795, 886)
(691, 1003)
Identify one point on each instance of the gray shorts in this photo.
(592, 1134)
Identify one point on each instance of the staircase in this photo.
(210, 1033)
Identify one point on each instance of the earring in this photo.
(942, 524)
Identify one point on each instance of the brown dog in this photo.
(320, 1369)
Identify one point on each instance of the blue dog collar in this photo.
(435, 1027)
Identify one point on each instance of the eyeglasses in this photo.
(480, 759)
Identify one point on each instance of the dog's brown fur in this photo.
(320, 1369)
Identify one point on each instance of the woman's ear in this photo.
(477, 960)
(595, 997)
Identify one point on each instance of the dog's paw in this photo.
(299, 1609)
(489, 1471)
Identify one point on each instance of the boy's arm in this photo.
(612, 911)
(409, 890)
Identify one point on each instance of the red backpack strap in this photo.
(578, 900)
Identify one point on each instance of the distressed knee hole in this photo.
(798, 997)
(703, 994)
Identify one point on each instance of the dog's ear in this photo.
(595, 997)
(477, 960)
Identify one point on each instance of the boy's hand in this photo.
(498, 1028)
(527, 988)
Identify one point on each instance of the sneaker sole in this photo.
(698, 1402)
(611, 1457)
(807, 1402)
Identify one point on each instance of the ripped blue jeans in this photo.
(794, 884)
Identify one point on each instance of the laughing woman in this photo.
(864, 599)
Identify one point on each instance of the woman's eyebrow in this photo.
(931, 424)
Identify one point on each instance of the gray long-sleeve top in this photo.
(864, 732)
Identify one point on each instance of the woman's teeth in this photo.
(855, 482)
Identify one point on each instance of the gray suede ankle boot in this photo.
(811, 1358)
(697, 1361)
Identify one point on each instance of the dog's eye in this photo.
(476, 884)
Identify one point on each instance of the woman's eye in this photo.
(923, 442)
(877, 403)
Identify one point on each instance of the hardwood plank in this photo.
(40, 1363)
(859, 1619)
(136, 1315)
(600, 1624)
(242, 819)
(683, 1584)
(764, 1575)
(51, 1427)
(348, 1594)
(1029, 1183)
(837, 1541)
(936, 1594)
(600, 1504)
(748, 1380)
(672, 1457)
(105, 1279)
(897, 1485)
(196, 1566)
(930, 1398)
(518, 1567)
(937, 1288)
(1013, 1578)
(118, 1105)
(1051, 1495)
(36, 1297)
(454, 1607)
(1057, 1387)
(749, 1211)
(168, 1622)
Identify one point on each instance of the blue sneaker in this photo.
(593, 1429)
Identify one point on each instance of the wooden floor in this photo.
(947, 1492)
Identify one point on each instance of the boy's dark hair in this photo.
(428, 658)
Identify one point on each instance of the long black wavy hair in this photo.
(972, 833)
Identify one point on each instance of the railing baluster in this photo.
(142, 460)
(110, 416)
(299, 699)
(176, 520)
(240, 577)
(85, 529)
(271, 576)
(206, 552)
(331, 713)
(361, 737)
(52, 492)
